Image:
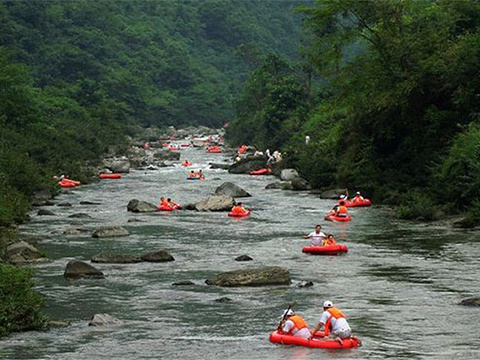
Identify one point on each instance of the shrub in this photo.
(19, 304)
(416, 205)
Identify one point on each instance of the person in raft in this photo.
(172, 204)
(358, 198)
(192, 174)
(163, 201)
(239, 209)
(200, 175)
(329, 240)
(339, 210)
(294, 325)
(335, 323)
(316, 237)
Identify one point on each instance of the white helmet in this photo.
(343, 196)
(327, 304)
(288, 312)
(358, 192)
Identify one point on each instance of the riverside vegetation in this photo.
(388, 93)
(76, 77)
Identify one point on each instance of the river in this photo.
(400, 283)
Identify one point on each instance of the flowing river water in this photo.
(400, 283)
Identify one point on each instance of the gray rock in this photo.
(215, 203)
(300, 184)
(117, 165)
(305, 284)
(109, 258)
(79, 269)
(76, 232)
(247, 165)
(332, 194)
(111, 231)
(64, 203)
(275, 185)
(135, 220)
(224, 166)
(80, 216)
(270, 275)
(42, 195)
(183, 283)
(166, 155)
(288, 174)
(89, 203)
(470, 302)
(157, 256)
(230, 189)
(189, 207)
(43, 212)
(287, 185)
(138, 206)
(22, 252)
(57, 324)
(243, 258)
(104, 320)
(223, 299)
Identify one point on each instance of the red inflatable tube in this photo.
(325, 250)
(365, 202)
(67, 184)
(110, 176)
(239, 215)
(187, 163)
(338, 218)
(317, 342)
(261, 172)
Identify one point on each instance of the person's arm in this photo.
(318, 327)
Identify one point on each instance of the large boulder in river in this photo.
(80, 269)
(215, 203)
(289, 174)
(109, 258)
(157, 256)
(274, 185)
(166, 155)
(300, 184)
(332, 194)
(470, 302)
(139, 206)
(230, 189)
(117, 165)
(249, 164)
(104, 320)
(270, 275)
(223, 166)
(22, 252)
(110, 231)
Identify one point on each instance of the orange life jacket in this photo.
(342, 209)
(328, 242)
(164, 202)
(192, 175)
(237, 209)
(298, 322)
(334, 313)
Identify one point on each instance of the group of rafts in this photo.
(65, 182)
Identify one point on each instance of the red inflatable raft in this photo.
(187, 163)
(365, 202)
(110, 176)
(239, 215)
(67, 184)
(338, 218)
(326, 250)
(261, 172)
(168, 208)
(317, 342)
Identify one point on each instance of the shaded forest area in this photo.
(389, 93)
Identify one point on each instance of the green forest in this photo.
(388, 91)
(76, 77)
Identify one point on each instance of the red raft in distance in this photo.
(326, 250)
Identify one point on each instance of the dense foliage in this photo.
(397, 107)
(20, 305)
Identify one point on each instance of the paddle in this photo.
(285, 316)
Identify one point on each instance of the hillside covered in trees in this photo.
(393, 109)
